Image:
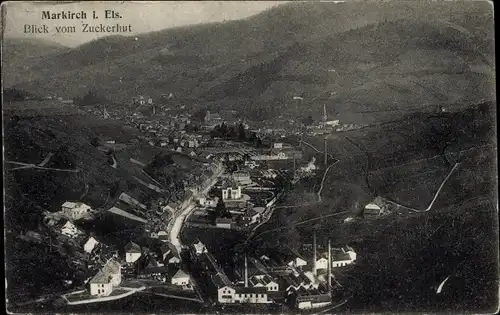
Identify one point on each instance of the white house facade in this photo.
(108, 277)
(75, 210)
(90, 245)
(70, 230)
(180, 278)
(231, 193)
(132, 252)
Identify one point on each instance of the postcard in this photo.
(250, 157)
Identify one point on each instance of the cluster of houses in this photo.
(264, 280)
(161, 266)
(243, 213)
(374, 209)
(226, 291)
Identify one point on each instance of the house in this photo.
(322, 262)
(229, 294)
(264, 281)
(313, 301)
(153, 270)
(108, 277)
(223, 223)
(162, 236)
(75, 210)
(199, 248)
(153, 263)
(270, 157)
(208, 202)
(180, 278)
(375, 208)
(212, 119)
(343, 257)
(349, 219)
(297, 262)
(130, 200)
(167, 255)
(139, 100)
(241, 178)
(90, 244)
(132, 252)
(231, 193)
(333, 122)
(70, 230)
(249, 217)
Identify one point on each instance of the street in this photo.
(184, 213)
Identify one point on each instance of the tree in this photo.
(241, 132)
(94, 141)
(199, 115)
(281, 183)
(221, 211)
(232, 133)
(258, 143)
(223, 130)
(252, 138)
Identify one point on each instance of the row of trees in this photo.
(229, 132)
(236, 133)
(220, 211)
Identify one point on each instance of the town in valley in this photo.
(186, 171)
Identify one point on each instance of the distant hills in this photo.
(365, 61)
(20, 55)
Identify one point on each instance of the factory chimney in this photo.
(314, 257)
(326, 152)
(246, 271)
(325, 116)
(329, 267)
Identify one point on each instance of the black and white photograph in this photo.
(250, 157)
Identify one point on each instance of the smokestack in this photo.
(329, 267)
(246, 272)
(325, 117)
(326, 152)
(314, 257)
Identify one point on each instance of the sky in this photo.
(141, 16)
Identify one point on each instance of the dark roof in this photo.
(251, 290)
(304, 279)
(223, 220)
(220, 280)
(164, 248)
(150, 270)
(180, 274)
(340, 256)
(315, 298)
(250, 212)
(132, 247)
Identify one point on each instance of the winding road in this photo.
(182, 214)
(433, 199)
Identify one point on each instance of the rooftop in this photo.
(240, 289)
(132, 247)
(104, 275)
(224, 220)
(180, 274)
